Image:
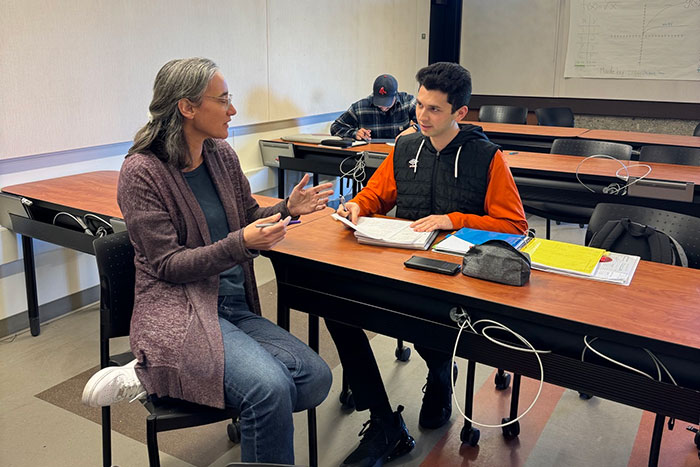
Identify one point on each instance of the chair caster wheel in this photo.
(346, 400)
(233, 430)
(512, 430)
(470, 436)
(502, 381)
(402, 354)
(584, 396)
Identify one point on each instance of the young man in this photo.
(384, 114)
(445, 177)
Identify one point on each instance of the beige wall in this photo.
(77, 78)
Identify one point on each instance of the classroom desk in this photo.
(324, 160)
(552, 178)
(91, 192)
(323, 271)
(638, 139)
(539, 176)
(538, 138)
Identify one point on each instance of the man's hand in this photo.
(408, 131)
(265, 238)
(305, 201)
(434, 222)
(352, 213)
(363, 134)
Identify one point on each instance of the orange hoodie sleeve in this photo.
(503, 206)
(379, 196)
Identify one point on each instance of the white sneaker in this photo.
(111, 385)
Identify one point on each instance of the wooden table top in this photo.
(96, 192)
(600, 166)
(530, 130)
(373, 147)
(661, 303)
(637, 138)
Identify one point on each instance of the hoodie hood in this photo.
(467, 134)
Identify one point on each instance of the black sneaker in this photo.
(437, 400)
(382, 441)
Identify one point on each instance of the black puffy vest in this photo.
(433, 188)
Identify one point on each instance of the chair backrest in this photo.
(590, 147)
(115, 266)
(555, 116)
(697, 130)
(683, 228)
(502, 114)
(670, 155)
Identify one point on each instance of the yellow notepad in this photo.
(553, 255)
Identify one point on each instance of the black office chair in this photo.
(115, 265)
(589, 147)
(562, 212)
(555, 116)
(670, 155)
(503, 114)
(697, 130)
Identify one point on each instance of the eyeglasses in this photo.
(226, 101)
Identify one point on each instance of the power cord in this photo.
(657, 363)
(357, 172)
(614, 188)
(463, 316)
(77, 220)
(100, 230)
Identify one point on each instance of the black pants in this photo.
(360, 366)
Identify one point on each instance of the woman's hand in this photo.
(264, 238)
(306, 201)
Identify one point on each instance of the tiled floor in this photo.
(560, 430)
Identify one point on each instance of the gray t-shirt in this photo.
(231, 281)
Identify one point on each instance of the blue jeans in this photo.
(268, 374)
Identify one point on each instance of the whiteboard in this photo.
(651, 39)
(519, 48)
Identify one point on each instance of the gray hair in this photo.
(163, 135)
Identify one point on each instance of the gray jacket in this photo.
(175, 332)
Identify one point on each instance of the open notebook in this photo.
(390, 232)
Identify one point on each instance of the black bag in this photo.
(497, 261)
(626, 236)
(340, 143)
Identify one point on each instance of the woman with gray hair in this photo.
(196, 329)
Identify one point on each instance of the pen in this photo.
(342, 201)
(270, 224)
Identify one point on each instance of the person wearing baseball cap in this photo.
(382, 115)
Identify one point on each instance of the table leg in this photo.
(655, 447)
(311, 415)
(30, 285)
(280, 183)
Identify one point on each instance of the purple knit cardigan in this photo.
(175, 332)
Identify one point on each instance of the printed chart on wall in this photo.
(634, 39)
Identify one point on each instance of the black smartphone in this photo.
(432, 265)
